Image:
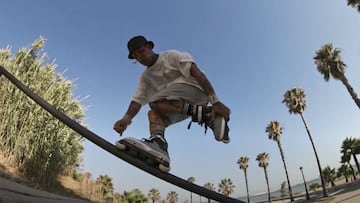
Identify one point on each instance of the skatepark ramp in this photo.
(109, 147)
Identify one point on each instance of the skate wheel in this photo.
(121, 146)
(164, 168)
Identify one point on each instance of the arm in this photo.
(121, 124)
(218, 106)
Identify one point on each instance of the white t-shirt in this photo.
(171, 67)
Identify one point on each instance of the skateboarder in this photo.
(175, 89)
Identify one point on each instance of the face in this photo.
(144, 55)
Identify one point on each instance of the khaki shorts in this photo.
(181, 92)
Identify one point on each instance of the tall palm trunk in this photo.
(351, 91)
(267, 184)
(286, 172)
(325, 193)
(247, 186)
(356, 162)
(306, 189)
(352, 169)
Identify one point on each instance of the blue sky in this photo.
(252, 52)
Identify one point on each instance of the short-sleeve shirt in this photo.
(171, 67)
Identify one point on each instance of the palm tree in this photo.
(106, 185)
(226, 186)
(263, 159)
(134, 195)
(329, 63)
(344, 170)
(345, 158)
(350, 146)
(243, 165)
(191, 180)
(295, 100)
(172, 197)
(314, 187)
(306, 189)
(154, 195)
(329, 175)
(274, 131)
(209, 186)
(138, 195)
(356, 146)
(354, 4)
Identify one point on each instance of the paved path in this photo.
(344, 193)
(347, 193)
(11, 192)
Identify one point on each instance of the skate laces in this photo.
(205, 122)
(159, 140)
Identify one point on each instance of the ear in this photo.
(149, 46)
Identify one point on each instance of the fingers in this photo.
(119, 127)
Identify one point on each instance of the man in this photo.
(175, 89)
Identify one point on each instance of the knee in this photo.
(156, 117)
(152, 114)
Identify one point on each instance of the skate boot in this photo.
(154, 149)
(160, 145)
(156, 146)
(218, 125)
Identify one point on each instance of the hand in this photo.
(220, 109)
(121, 125)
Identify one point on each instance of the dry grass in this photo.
(66, 186)
(9, 171)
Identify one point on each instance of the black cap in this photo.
(137, 42)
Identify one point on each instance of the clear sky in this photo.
(252, 52)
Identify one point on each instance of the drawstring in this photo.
(201, 124)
